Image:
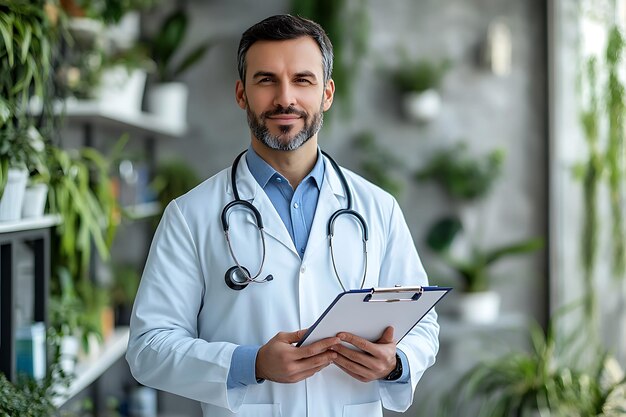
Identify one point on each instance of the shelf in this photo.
(85, 111)
(89, 370)
(21, 225)
(142, 211)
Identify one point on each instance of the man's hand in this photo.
(279, 361)
(374, 361)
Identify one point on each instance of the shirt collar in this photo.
(263, 172)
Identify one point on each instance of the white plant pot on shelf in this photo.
(70, 346)
(422, 107)
(479, 307)
(34, 200)
(168, 101)
(13, 196)
(121, 90)
(125, 33)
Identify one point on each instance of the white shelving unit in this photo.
(30, 224)
(87, 111)
(142, 211)
(149, 130)
(91, 368)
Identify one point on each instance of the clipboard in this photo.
(368, 312)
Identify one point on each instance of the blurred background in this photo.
(497, 124)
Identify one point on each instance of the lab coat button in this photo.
(303, 269)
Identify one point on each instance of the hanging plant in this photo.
(615, 147)
(461, 176)
(590, 173)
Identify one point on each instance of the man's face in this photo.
(284, 93)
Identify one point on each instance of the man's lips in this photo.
(284, 117)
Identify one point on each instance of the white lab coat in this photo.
(186, 322)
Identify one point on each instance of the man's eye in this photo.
(265, 80)
(303, 81)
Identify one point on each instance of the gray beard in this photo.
(277, 142)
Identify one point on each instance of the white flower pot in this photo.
(422, 107)
(70, 346)
(125, 33)
(479, 307)
(34, 200)
(122, 91)
(168, 101)
(13, 196)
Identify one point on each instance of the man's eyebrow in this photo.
(263, 74)
(306, 74)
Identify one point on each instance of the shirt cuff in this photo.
(406, 374)
(242, 370)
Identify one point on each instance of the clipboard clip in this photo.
(416, 291)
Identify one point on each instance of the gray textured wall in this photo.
(485, 110)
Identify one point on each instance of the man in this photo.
(231, 345)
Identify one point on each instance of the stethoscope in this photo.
(238, 277)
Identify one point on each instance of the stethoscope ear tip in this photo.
(269, 278)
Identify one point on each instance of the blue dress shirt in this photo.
(296, 209)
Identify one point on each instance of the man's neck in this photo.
(293, 165)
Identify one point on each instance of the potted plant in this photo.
(550, 380)
(81, 192)
(172, 179)
(477, 303)
(27, 38)
(168, 97)
(36, 193)
(66, 310)
(467, 181)
(14, 153)
(28, 397)
(126, 279)
(419, 83)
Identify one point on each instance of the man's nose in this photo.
(285, 95)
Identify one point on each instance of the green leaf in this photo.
(518, 248)
(443, 232)
(6, 31)
(169, 39)
(192, 58)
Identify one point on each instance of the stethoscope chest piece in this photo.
(236, 279)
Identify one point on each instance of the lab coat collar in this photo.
(249, 188)
(332, 198)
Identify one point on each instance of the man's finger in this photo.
(354, 369)
(363, 344)
(387, 336)
(317, 347)
(292, 337)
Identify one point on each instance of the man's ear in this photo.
(329, 94)
(240, 94)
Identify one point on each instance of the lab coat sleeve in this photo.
(164, 350)
(401, 265)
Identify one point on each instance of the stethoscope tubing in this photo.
(237, 201)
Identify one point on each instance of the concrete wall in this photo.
(486, 111)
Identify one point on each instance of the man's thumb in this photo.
(387, 336)
(293, 337)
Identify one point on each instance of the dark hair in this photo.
(283, 27)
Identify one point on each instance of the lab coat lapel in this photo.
(331, 199)
(250, 190)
